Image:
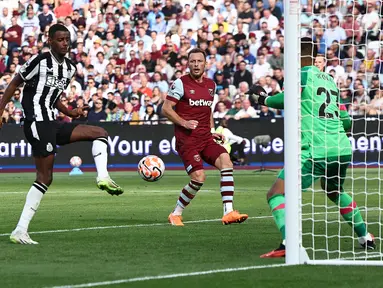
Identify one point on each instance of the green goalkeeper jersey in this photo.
(322, 122)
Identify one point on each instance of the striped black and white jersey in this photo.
(45, 79)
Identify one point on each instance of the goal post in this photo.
(292, 133)
(316, 230)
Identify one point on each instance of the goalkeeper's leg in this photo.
(276, 200)
(333, 185)
(351, 214)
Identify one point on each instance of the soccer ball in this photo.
(151, 168)
(75, 161)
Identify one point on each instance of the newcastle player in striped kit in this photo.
(46, 76)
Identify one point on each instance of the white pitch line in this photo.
(123, 226)
(95, 191)
(170, 276)
(151, 224)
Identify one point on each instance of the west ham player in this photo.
(46, 76)
(192, 96)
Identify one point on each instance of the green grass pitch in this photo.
(88, 236)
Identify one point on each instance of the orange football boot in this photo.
(277, 253)
(175, 220)
(234, 217)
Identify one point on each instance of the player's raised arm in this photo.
(15, 83)
(261, 97)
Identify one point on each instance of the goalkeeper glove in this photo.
(258, 94)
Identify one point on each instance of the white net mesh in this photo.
(349, 38)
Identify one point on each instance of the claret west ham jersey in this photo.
(194, 101)
(45, 79)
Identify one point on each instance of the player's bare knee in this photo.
(224, 161)
(44, 178)
(198, 176)
(277, 188)
(100, 132)
(333, 195)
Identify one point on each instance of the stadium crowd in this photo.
(128, 52)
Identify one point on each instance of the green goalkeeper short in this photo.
(332, 171)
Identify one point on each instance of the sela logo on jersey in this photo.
(52, 81)
(200, 102)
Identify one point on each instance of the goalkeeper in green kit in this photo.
(326, 150)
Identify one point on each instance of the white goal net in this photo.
(349, 38)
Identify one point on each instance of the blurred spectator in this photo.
(129, 114)
(276, 59)
(221, 110)
(261, 68)
(352, 28)
(16, 99)
(7, 117)
(242, 75)
(247, 111)
(370, 23)
(375, 87)
(63, 8)
(134, 99)
(376, 105)
(334, 65)
(114, 113)
(146, 100)
(150, 117)
(266, 113)
(156, 95)
(334, 32)
(13, 35)
(97, 114)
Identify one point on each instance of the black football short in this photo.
(44, 136)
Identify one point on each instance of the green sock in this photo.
(350, 212)
(277, 205)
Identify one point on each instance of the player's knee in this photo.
(45, 178)
(277, 188)
(329, 187)
(224, 161)
(333, 196)
(198, 176)
(101, 132)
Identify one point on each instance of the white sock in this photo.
(100, 155)
(227, 207)
(32, 202)
(178, 210)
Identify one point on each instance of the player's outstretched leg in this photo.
(44, 167)
(276, 200)
(230, 216)
(187, 194)
(351, 214)
(100, 154)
